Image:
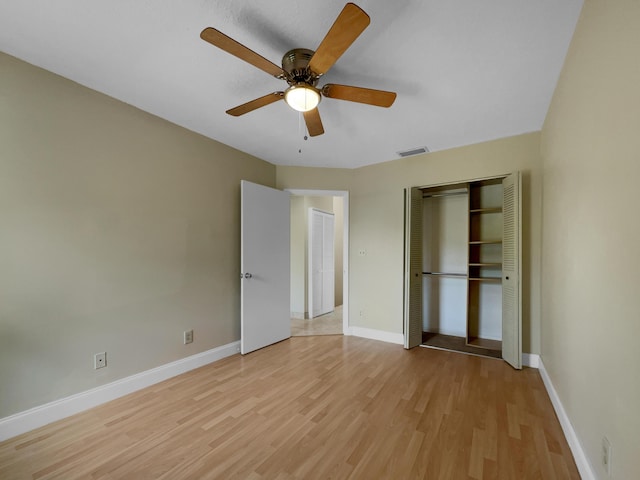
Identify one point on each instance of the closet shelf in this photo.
(484, 242)
(486, 210)
(485, 279)
(444, 274)
(486, 264)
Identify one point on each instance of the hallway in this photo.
(329, 324)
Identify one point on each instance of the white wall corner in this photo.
(65, 407)
(380, 335)
(582, 461)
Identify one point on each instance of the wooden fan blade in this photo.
(379, 98)
(314, 124)
(348, 26)
(255, 104)
(229, 45)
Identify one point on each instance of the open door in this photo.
(413, 268)
(265, 275)
(511, 268)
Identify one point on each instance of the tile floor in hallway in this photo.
(328, 324)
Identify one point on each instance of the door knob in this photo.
(247, 275)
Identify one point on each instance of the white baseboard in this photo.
(381, 335)
(531, 360)
(50, 412)
(582, 462)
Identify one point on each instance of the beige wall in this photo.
(118, 230)
(591, 269)
(377, 225)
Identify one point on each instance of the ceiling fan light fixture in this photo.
(302, 97)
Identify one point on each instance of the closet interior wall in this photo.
(444, 261)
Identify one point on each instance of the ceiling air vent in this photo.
(414, 151)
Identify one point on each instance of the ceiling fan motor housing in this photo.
(296, 63)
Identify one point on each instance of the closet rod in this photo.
(446, 274)
(434, 195)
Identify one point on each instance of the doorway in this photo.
(302, 321)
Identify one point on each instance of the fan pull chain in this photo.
(302, 129)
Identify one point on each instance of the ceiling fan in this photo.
(302, 69)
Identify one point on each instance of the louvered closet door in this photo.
(511, 268)
(413, 268)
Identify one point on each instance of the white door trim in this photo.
(345, 243)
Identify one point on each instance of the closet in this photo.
(462, 267)
(321, 262)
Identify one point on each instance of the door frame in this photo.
(345, 243)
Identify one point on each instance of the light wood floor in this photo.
(313, 408)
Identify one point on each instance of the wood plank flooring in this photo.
(326, 407)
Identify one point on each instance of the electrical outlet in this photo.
(606, 455)
(100, 360)
(362, 253)
(188, 336)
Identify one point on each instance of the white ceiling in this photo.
(465, 71)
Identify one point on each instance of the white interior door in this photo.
(511, 268)
(265, 275)
(321, 263)
(413, 268)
